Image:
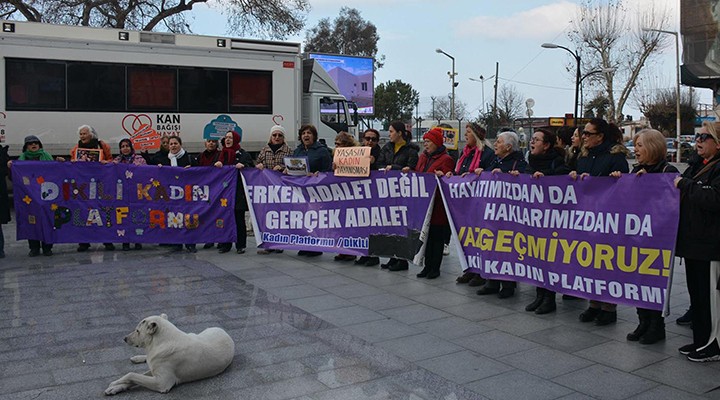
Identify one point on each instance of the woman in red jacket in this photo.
(435, 160)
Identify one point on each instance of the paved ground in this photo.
(318, 329)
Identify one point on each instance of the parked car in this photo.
(631, 148)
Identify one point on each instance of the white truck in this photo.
(145, 85)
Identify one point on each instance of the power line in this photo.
(538, 85)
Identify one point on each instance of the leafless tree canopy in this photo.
(274, 19)
(610, 38)
(442, 108)
(510, 103)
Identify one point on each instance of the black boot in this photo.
(635, 335)
(423, 273)
(589, 315)
(390, 263)
(548, 303)
(433, 272)
(400, 265)
(656, 329)
(539, 294)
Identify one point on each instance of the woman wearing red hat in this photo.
(435, 160)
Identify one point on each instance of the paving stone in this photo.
(518, 385)
(419, 347)
(604, 382)
(464, 366)
(415, 313)
(546, 362)
(623, 356)
(495, 344)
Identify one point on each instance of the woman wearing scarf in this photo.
(435, 160)
(178, 157)
(272, 156)
(128, 156)
(33, 151)
(546, 157)
(234, 155)
(477, 155)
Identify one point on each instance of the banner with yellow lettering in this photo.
(600, 238)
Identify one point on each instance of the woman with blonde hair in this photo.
(650, 153)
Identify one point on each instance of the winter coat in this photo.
(270, 159)
(244, 158)
(183, 161)
(550, 163)
(105, 153)
(429, 163)
(699, 227)
(407, 156)
(207, 158)
(375, 152)
(318, 156)
(603, 159)
(512, 162)
(4, 199)
(486, 158)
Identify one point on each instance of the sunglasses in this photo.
(588, 133)
(278, 135)
(371, 139)
(701, 137)
(32, 143)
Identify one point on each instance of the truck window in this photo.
(152, 88)
(34, 84)
(95, 86)
(251, 92)
(203, 90)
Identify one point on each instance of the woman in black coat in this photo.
(546, 158)
(650, 153)
(398, 154)
(698, 243)
(4, 199)
(602, 154)
(178, 157)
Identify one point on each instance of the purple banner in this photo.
(89, 202)
(382, 215)
(603, 238)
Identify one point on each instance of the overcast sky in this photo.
(478, 33)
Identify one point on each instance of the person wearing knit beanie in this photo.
(435, 135)
(277, 128)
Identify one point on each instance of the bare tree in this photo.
(611, 39)
(442, 107)
(510, 104)
(261, 18)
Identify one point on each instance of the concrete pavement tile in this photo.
(520, 324)
(663, 392)
(623, 356)
(415, 313)
(349, 315)
(381, 330)
(452, 327)
(344, 376)
(411, 288)
(518, 385)
(286, 389)
(546, 362)
(419, 347)
(326, 281)
(495, 344)
(477, 311)
(282, 371)
(565, 338)
(382, 301)
(682, 374)
(442, 299)
(320, 303)
(426, 385)
(354, 290)
(603, 382)
(296, 292)
(275, 281)
(464, 366)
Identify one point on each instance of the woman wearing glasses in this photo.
(602, 153)
(371, 139)
(698, 243)
(547, 157)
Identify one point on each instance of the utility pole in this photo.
(497, 74)
(433, 106)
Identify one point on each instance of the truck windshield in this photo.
(333, 113)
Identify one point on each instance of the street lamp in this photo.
(482, 82)
(452, 76)
(577, 73)
(677, 88)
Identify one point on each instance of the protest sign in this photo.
(296, 166)
(599, 238)
(382, 215)
(86, 202)
(352, 161)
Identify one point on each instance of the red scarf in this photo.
(227, 155)
(475, 163)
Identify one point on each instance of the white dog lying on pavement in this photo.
(174, 356)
